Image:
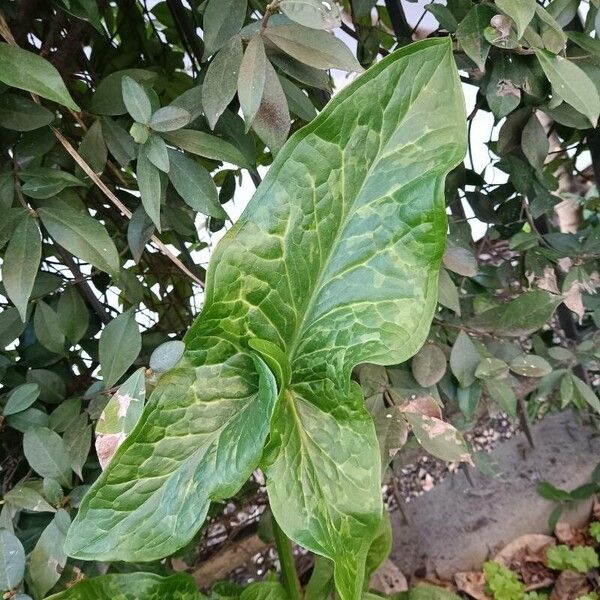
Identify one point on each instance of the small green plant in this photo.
(580, 559)
(502, 583)
(595, 530)
(536, 596)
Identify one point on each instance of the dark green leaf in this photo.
(119, 141)
(222, 20)
(464, 360)
(298, 101)
(318, 49)
(428, 365)
(443, 15)
(139, 232)
(73, 316)
(312, 13)
(207, 145)
(27, 71)
(136, 99)
(21, 262)
(470, 34)
(571, 83)
(529, 365)
(585, 392)
(155, 150)
(47, 454)
(195, 185)
(12, 560)
(81, 235)
(47, 328)
(520, 11)
(21, 114)
(93, 148)
(221, 80)
(120, 344)
(108, 99)
(534, 143)
(251, 79)
(22, 397)
(149, 184)
(503, 395)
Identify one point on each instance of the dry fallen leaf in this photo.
(472, 583)
(388, 579)
(570, 586)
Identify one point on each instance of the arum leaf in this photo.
(318, 49)
(195, 185)
(571, 83)
(21, 262)
(221, 80)
(81, 235)
(27, 71)
(252, 77)
(340, 298)
(132, 585)
(120, 344)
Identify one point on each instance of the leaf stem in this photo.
(286, 560)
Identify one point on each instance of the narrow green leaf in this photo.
(93, 148)
(571, 83)
(136, 99)
(21, 262)
(27, 71)
(155, 150)
(318, 49)
(464, 359)
(27, 498)
(139, 232)
(331, 185)
(221, 80)
(149, 184)
(585, 392)
(78, 440)
(73, 315)
(170, 118)
(315, 14)
(251, 79)
(108, 98)
(195, 185)
(132, 585)
(522, 316)
(12, 560)
(298, 101)
(22, 397)
(470, 34)
(534, 143)
(428, 365)
(119, 142)
(47, 328)
(206, 145)
(272, 121)
(81, 235)
(503, 395)
(120, 344)
(48, 558)
(448, 292)
(222, 20)
(22, 114)
(47, 454)
(520, 11)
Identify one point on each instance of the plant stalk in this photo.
(286, 560)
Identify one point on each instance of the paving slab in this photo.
(457, 526)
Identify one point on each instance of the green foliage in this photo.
(317, 309)
(595, 530)
(579, 558)
(501, 582)
(108, 214)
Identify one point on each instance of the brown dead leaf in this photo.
(572, 536)
(388, 579)
(570, 586)
(526, 557)
(596, 509)
(472, 583)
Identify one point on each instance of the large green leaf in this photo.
(122, 586)
(304, 279)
